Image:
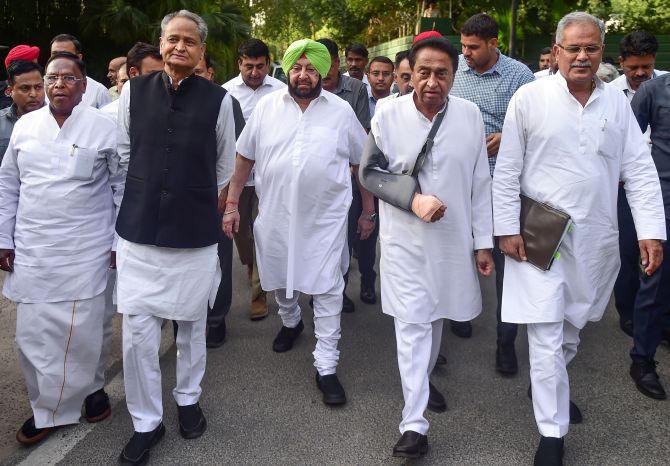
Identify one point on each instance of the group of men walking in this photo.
(184, 166)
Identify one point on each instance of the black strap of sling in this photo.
(428, 145)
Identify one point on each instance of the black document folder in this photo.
(543, 229)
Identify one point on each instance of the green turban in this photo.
(316, 53)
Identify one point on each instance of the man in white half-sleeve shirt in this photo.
(59, 183)
(253, 82)
(567, 141)
(429, 265)
(303, 184)
(96, 94)
(177, 143)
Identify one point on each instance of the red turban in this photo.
(22, 52)
(426, 35)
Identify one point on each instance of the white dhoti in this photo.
(551, 347)
(107, 331)
(153, 284)
(59, 346)
(327, 312)
(418, 347)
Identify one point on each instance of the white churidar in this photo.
(60, 377)
(327, 312)
(58, 191)
(572, 157)
(428, 269)
(303, 185)
(551, 347)
(107, 330)
(141, 367)
(418, 346)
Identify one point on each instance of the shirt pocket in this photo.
(610, 143)
(80, 163)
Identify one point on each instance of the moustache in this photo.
(581, 64)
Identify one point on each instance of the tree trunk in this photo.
(512, 32)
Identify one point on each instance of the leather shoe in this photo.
(259, 308)
(368, 295)
(506, 363)
(192, 423)
(411, 445)
(96, 406)
(461, 329)
(330, 386)
(28, 434)
(436, 401)
(549, 452)
(643, 372)
(627, 327)
(136, 451)
(216, 335)
(285, 338)
(575, 413)
(347, 304)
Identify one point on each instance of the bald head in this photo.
(113, 69)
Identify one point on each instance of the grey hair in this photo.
(607, 73)
(579, 17)
(202, 25)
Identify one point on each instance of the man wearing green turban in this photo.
(303, 185)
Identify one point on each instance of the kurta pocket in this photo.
(80, 163)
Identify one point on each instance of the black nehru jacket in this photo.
(171, 191)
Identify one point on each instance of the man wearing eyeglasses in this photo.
(567, 141)
(60, 184)
(304, 192)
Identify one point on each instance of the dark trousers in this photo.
(628, 281)
(366, 249)
(224, 295)
(506, 331)
(652, 304)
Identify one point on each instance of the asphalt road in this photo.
(263, 408)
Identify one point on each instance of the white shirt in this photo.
(543, 73)
(225, 136)
(248, 98)
(428, 270)
(572, 158)
(96, 94)
(111, 109)
(304, 188)
(621, 83)
(58, 192)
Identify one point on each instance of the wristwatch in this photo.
(372, 217)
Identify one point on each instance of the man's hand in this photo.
(439, 213)
(231, 221)
(7, 260)
(512, 246)
(493, 144)
(427, 207)
(484, 259)
(651, 255)
(365, 226)
(112, 261)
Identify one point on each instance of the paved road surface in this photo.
(263, 408)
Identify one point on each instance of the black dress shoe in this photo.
(627, 327)
(136, 451)
(96, 406)
(643, 372)
(368, 295)
(436, 401)
(411, 445)
(506, 363)
(575, 413)
(347, 304)
(192, 423)
(549, 452)
(285, 338)
(441, 360)
(28, 434)
(216, 335)
(330, 386)
(461, 329)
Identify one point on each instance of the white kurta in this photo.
(304, 188)
(572, 157)
(57, 209)
(428, 270)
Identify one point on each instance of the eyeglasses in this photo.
(51, 79)
(576, 49)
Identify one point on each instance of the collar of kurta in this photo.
(323, 95)
(597, 82)
(167, 79)
(77, 108)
